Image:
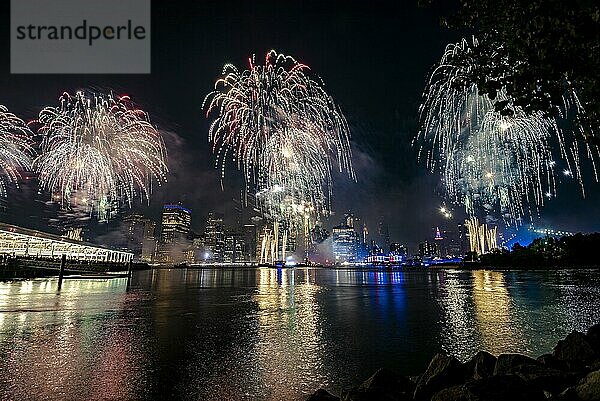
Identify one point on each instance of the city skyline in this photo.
(171, 240)
(299, 200)
(391, 182)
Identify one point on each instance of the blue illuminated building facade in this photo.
(345, 242)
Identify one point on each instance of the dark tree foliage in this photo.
(537, 50)
(570, 251)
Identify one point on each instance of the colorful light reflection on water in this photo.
(270, 334)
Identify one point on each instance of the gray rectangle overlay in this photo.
(80, 37)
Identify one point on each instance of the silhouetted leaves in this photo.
(573, 250)
(536, 50)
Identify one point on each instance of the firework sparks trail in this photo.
(16, 151)
(99, 150)
(488, 162)
(284, 132)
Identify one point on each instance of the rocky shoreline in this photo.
(570, 373)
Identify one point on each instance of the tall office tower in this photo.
(149, 241)
(345, 241)
(398, 249)
(441, 243)
(175, 233)
(463, 239)
(449, 242)
(383, 234)
(427, 250)
(363, 246)
(229, 247)
(176, 223)
(140, 231)
(234, 247)
(250, 242)
(214, 237)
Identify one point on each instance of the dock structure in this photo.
(17, 241)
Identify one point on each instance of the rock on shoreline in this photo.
(570, 373)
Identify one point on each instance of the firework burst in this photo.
(488, 162)
(99, 150)
(284, 132)
(16, 152)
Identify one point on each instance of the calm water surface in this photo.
(267, 334)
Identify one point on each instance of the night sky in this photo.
(373, 57)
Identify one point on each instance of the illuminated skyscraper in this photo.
(234, 247)
(383, 235)
(214, 237)
(149, 241)
(398, 249)
(176, 223)
(250, 243)
(175, 233)
(427, 250)
(345, 241)
(362, 246)
(134, 225)
(140, 237)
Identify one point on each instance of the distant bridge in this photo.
(550, 232)
(17, 241)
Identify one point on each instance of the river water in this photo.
(270, 334)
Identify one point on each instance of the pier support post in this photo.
(129, 268)
(61, 273)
